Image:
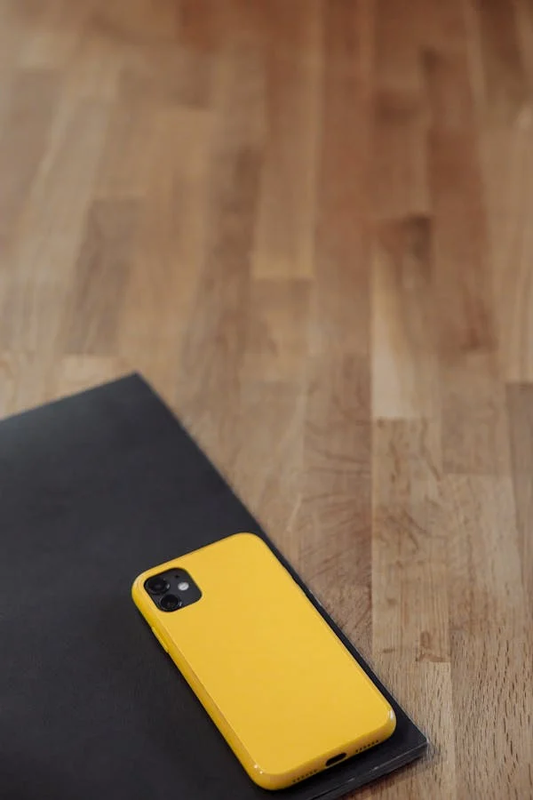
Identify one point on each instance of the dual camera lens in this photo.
(170, 602)
(159, 586)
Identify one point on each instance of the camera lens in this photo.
(157, 585)
(170, 602)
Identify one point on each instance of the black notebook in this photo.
(95, 489)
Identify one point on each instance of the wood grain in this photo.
(308, 223)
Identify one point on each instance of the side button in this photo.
(160, 640)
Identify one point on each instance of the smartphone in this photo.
(281, 687)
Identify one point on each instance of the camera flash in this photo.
(183, 586)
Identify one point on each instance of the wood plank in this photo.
(217, 324)
(474, 417)
(104, 260)
(405, 367)
(43, 265)
(506, 88)
(489, 661)
(508, 171)
(152, 315)
(277, 339)
(23, 143)
(410, 603)
(334, 524)
(520, 407)
(284, 243)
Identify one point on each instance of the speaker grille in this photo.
(307, 775)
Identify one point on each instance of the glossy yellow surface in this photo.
(278, 683)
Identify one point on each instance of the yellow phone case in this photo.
(278, 683)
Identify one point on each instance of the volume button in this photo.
(160, 640)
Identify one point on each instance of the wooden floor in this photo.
(309, 223)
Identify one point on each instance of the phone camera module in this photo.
(170, 602)
(172, 589)
(157, 585)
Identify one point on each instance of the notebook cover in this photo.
(94, 489)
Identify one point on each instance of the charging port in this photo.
(335, 759)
